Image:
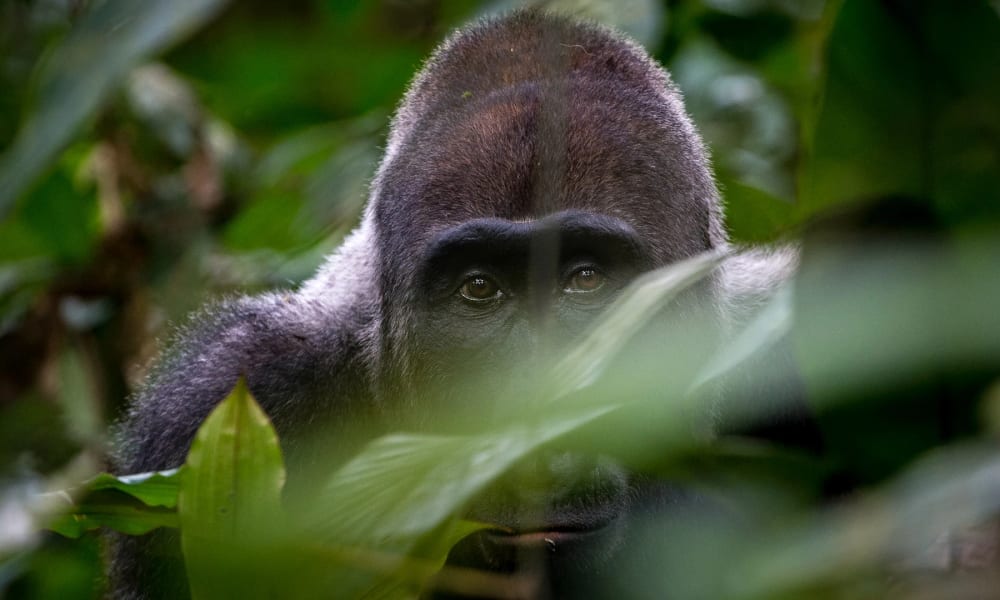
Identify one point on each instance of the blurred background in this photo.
(156, 155)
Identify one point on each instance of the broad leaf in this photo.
(113, 511)
(230, 497)
(132, 504)
(898, 527)
(403, 486)
(158, 488)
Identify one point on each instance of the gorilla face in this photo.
(527, 150)
(534, 170)
(501, 297)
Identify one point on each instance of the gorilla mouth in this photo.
(547, 535)
(585, 518)
(563, 498)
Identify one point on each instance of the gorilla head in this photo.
(535, 167)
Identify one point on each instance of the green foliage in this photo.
(58, 221)
(130, 191)
(112, 39)
(382, 523)
(132, 504)
(909, 108)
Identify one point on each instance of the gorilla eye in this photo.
(479, 288)
(585, 280)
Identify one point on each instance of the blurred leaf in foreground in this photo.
(892, 530)
(399, 492)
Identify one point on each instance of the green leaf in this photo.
(386, 518)
(132, 504)
(230, 498)
(763, 330)
(114, 512)
(158, 488)
(426, 563)
(944, 493)
(388, 503)
(403, 486)
(627, 317)
(111, 39)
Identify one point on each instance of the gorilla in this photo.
(535, 167)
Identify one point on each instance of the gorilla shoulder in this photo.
(305, 355)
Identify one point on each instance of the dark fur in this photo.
(511, 119)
